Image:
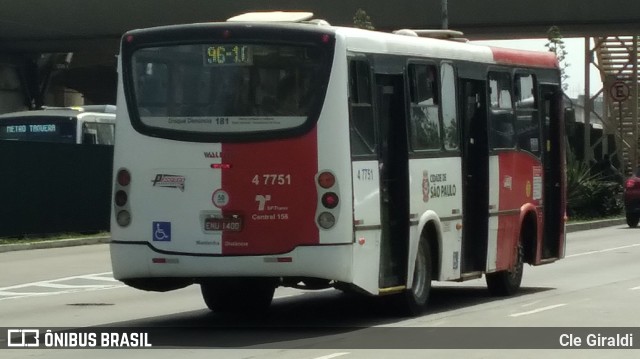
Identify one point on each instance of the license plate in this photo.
(230, 224)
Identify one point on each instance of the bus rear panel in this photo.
(222, 157)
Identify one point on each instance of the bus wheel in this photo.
(238, 295)
(415, 299)
(507, 282)
(632, 220)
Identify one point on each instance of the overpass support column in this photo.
(587, 151)
(29, 72)
(35, 76)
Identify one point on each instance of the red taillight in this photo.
(121, 198)
(124, 178)
(630, 183)
(326, 179)
(330, 200)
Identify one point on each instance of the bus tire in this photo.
(507, 282)
(414, 300)
(238, 295)
(632, 220)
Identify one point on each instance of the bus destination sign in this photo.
(228, 55)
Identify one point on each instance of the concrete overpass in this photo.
(74, 25)
(91, 29)
(37, 36)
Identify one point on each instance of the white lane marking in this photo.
(334, 355)
(537, 310)
(530, 304)
(602, 250)
(53, 281)
(635, 288)
(11, 292)
(67, 286)
(22, 294)
(106, 279)
(44, 294)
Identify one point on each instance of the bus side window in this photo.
(527, 122)
(449, 106)
(425, 111)
(502, 131)
(362, 126)
(90, 136)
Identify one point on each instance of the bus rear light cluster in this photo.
(328, 200)
(124, 178)
(121, 198)
(326, 180)
(326, 220)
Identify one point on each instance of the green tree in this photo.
(556, 45)
(362, 20)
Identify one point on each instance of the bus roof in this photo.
(447, 48)
(498, 55)
(382, 42)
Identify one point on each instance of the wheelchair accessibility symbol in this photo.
(162, 231)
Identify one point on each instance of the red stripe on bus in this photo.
(520, 182)
(524, 58)
(271, 186)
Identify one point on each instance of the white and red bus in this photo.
(252, 155)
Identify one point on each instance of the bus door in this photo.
(475, 170)
(553, 156)
(394, 179)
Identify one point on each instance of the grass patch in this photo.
(580, 219)
(50, 237)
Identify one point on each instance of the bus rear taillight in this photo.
(326, 180)
(326, 220)
(328, 200)
(124, 178)
(123, 218)
(121, 198)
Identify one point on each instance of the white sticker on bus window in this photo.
(225, 124)
(537, 183)
(533, 144)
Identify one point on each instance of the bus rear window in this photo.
(227, 88)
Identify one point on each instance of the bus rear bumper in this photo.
(138, 260)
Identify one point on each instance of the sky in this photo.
(575, 59)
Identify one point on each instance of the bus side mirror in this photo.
(569, 120)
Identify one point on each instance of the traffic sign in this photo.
(619, 91)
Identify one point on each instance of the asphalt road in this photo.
(596, 286)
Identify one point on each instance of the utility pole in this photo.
(445, 14)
